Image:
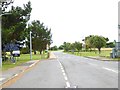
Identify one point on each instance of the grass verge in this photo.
(22, 59)
(103, 54)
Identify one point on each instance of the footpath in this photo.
(7, 76)
(11, 75)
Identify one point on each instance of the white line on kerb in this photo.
(31, 65)
(16, 75)
(23, 71)
(2, 79)
(110, 69)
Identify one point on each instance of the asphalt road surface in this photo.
(70, 71)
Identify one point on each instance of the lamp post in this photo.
(0, 36)
(30, 46)
(118, 33)
(3, 5)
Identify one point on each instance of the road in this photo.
(70, 71)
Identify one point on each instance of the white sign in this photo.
(16, 52)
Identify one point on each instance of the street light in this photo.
(3, 5)
(30, 46)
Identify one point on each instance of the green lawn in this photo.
(22, 59)
(104, 53)
(92, 53)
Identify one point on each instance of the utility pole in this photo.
(30, 46)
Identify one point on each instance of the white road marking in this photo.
(67, 84)
(1, 79)
(64, 75)
(63, 71)
(62, 68)
(116, 71)
(60, 64)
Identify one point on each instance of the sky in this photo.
(73, 20)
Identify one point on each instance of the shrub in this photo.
(25, 50)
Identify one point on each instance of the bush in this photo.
(25, 50)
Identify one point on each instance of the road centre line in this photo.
(63, 71)
(68, 84)
(64, 75)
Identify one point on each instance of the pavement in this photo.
(10, 74)
(52, 56)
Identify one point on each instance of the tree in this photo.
(110, 45)
(72, 47)
(41, 35)
(61, 47)
(97, 42)
(14, 24)
(78, 46)
(67, 46)
(87, 42)
(54, 48)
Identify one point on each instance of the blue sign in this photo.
(11, 47)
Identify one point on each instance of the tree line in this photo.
(15, 30)
(90, 42)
